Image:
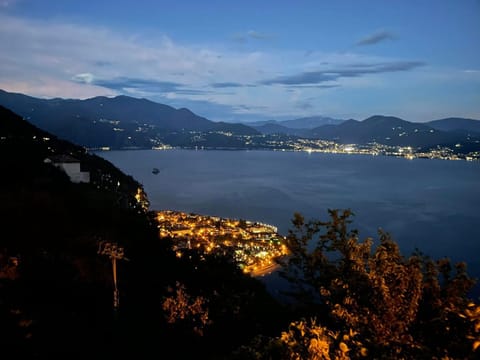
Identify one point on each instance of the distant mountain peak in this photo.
(304, 123)
(119, 122)
(456, 124)
(185, 110)
(382, 118)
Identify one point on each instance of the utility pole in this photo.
(114, 252)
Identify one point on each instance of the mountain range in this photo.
(117, 122)
(298, 127)
(124, 122)
(394, 131)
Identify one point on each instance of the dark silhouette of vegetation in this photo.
(356, 301)
(56, 291)
(351, 299)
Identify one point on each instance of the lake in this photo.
(433, 205)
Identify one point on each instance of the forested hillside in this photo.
(349, 298)
(56, 289)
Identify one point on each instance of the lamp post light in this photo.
(114, 252)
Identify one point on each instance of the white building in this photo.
(71, 166)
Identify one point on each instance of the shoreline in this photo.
(408, 156)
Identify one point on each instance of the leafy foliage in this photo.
(182, 307)
(397, 307)
(307, 340)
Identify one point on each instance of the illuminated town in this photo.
(255, 246)
(409, 152)
(291, 143)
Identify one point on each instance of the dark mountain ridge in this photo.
(456, 124)
(297, 127)
(310, 122)
(118, 122)
(123, 122)
(389, 130)
(276, 128)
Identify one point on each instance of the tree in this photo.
(448, 321)
(390, 306)
(182, 307)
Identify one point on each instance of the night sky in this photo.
(251, 60)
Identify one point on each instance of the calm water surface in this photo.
(433, 205)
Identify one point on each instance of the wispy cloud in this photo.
(376, 38)
(333, 74)
(121, 83)
(311, 77)
(58, 59)
(258, 35)
(304, 105)
(322, 86)
(242, 108)
(98, 57)
(85, 78)
(101, 63)
(126, 84)
(225, 85)
(251, 34)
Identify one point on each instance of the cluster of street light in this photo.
(255, 246)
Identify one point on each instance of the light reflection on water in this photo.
(432, 205)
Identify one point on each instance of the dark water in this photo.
(433, 205)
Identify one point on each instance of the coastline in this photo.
(437, 154)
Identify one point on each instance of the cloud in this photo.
(304, 105)
(58, 59)
(220, 112)
(101, 63)
(225, 85)
(311, 77)
(308, 53)
(87, 55)
(333, 74)
(376, 37)
(121, 83)
(240, 38)
(323, 86)
(242, 108)
(86, 78)
(250, 34)
(126, 84)
(257, 35)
